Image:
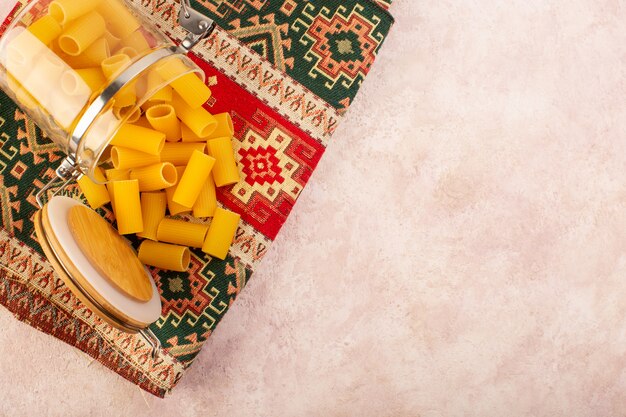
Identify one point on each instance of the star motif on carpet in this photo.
(260, 165)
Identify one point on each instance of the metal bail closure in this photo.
(66, 173)
(198, 25)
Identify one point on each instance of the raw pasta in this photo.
(93, 77)
(112, 40)
(153, 207)
(139, 138)
(46, 72)
(224, 126)
(163, 118)
(182, 233)
(73, 84)
(137, 41)
(82, 33)
(164, 256)
(113, 65)
(120, 21)
(128, 51)
(221, 233)
(92, 56)
(96, 194)
(63, 11)
(188, 135)
(131, 113)
(196, 173)
(155, 177)
(21, 95)
(173, 207)
(201, 122)
(162, 95)
(143, 122)
(206, 203)
(117, 174)
(180, 153)
(124, 158)
(189, 87)
(46, 29)
(127, 207)
(225, 171)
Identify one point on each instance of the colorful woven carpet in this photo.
(287, 72)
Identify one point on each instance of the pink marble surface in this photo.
(459, 252)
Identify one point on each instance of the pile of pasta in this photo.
(160, 165)
(169, 155)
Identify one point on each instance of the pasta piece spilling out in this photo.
(221, 233)
(165, 256)
(196, 173)
(153, 207)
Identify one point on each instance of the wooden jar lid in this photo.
(97, 264)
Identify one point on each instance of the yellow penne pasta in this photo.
(137, 41)
(130, 113)
(206, 203)
(23, 97)
(126, 97)
(188, 135)
(117, 174)
(153, 206)
(155, 81)
(82, 33)
(196, 173)
(139, 138)
(128, 51)
(26, 100)
(115, 64)
(201, 122)
(93, 77)
(113, 175)
(145, 106)
(22, 52)
(143, 122)
(221, 233)
(64, 11)
(127, 207)
(191, 88)
(224, 126)
(225, 171)
(111, 68)
(120, 21)
(141, 83)
(46, 72)
(97, 195)
(182, 233)
(163, 118)
(46, 29)
(162, 96)
(73, 84)
(164, 256)
(92, 57)
(124, 158)
(65, 109)
(180, 153)
(112, 40)
(175, 208)
(155, 177)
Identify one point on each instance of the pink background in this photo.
(459, 252)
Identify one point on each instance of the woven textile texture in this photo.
(286, 72)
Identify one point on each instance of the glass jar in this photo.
(82, 68)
